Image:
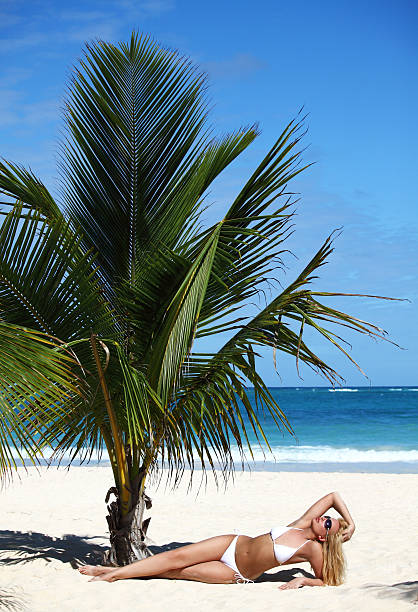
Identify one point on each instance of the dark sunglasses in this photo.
(328, 523)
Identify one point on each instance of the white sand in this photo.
(39, 510)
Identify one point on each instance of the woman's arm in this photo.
(332, 500)
(339, 505)
(296, 583)
(314, 556)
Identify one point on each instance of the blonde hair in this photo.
(333, 566)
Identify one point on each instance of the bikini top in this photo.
(282, 552)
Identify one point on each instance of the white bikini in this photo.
(281, 552)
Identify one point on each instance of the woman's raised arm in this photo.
(332, 500)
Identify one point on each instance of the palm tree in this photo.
(122, 276)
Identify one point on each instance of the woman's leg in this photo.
(211, 549)
(211, 572)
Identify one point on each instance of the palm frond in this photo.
(137, 157)
(36, 382)
(135, 114)
(46, 281)
(175, 337)
(23, 186)
(298, 307)
(254, 229)
(212, 408)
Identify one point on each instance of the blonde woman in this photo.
(315, 538)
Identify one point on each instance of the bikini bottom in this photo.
(228, 558)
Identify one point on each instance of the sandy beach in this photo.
(49, 517)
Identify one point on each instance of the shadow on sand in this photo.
(12, 600)
(20, 547)
(406, 591)
(285, 575)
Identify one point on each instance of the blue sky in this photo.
(351, 64)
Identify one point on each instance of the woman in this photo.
(314, 537)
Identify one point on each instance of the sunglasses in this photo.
(327, 524)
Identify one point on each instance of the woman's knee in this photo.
(171, 574)
(178, 558)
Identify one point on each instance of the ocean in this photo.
(354, 429)
(345, 429)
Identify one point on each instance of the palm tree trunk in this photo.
(128, 532)
(128, 542)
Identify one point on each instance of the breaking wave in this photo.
(329, 454)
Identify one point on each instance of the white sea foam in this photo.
(329, 454)
(345, 389)
(395, 389)
(305, 454)
(48, 456)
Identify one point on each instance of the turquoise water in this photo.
(372, 429)
(353, 425)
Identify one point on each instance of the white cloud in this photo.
(83, 15)
(148, 7)
(12, 77)
(101, 30)
(157, 6)
(9, 101)
(15, 112)
(25, 41)
(237, 67)
(74, 26)
(371, 256)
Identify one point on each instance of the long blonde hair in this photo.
(333, 566)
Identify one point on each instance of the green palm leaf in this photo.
(176, 335)
(138, 153)
(36, 382)
(22, 185)
(46, 281)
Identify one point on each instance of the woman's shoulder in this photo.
(312, 549)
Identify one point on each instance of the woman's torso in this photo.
(256, 555)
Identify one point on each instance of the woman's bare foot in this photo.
(106, 577)
(94, 570)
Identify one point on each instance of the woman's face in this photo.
(319, 526)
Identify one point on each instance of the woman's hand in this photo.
(296, 583)
(347, 533)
